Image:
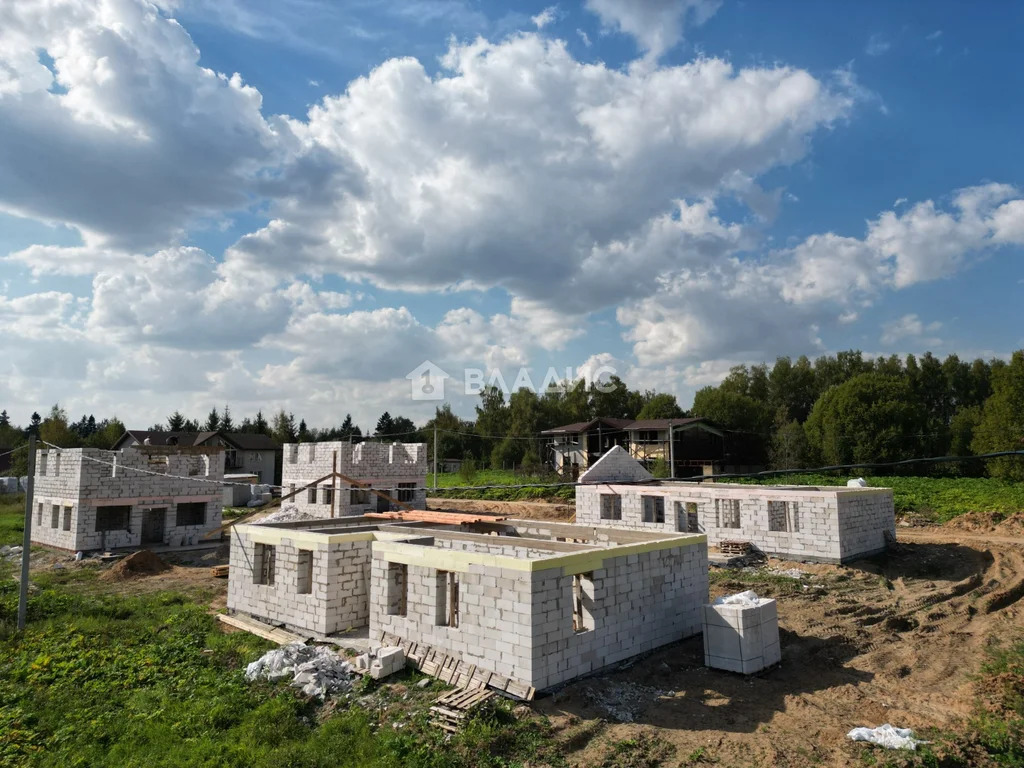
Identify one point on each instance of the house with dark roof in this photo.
(244, 453)
(689, 446)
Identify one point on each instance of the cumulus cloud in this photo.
(656, 25)
(912, 328)
(481, 177)
(141, 141)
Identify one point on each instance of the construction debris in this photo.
(381, 662)
(887, 736)
(289, 514)
(10, 553)
(451, 710)
(622, 701)
(315, 669)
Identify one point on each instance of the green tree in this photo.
(613, 399)
(661, 405)
(732, 410)
(868, 418)
(961, 436)
(55, 429)
(283, 429)
(5, 420)
(108, 432)
(788, 448)
(492, 415)
(506, 454)
(385, 424)
(1002, 420)
(176, 422)
(212, 420)
(227, 424)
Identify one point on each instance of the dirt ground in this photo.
(896, 639)
(522, 510)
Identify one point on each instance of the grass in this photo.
(12, 518)
(937, 499)
(501, 477)
(148, 680)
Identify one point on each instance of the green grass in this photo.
(104, 680)
(936, 498)
(12, 518)
(501, 477)
(764, 583)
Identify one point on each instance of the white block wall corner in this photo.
(742, 638)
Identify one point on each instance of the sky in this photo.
(296, 203)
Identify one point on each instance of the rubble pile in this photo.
(289, 514)
(317, 670)
(10, 553)
(624, 701)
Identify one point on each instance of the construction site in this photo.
(750, 624)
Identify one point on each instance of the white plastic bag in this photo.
(887, 736)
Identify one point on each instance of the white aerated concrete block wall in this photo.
(822, 524)
(78, 480)
(741, 638)
(383, 466)
(338, 596)
(520, 623)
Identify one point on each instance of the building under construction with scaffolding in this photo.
(88, 499)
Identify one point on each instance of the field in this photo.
(932, 499)
(139, 673)
(936, 499)
(500, 477)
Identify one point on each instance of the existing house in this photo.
(820, 523)
(536, 601)
(399, 470)
(688, 446)
(88, 499)
(244, 453)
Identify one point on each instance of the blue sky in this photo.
(662, 187)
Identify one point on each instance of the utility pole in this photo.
(671, 451)
(435, 455)
(27, 540)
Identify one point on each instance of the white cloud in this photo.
(657, 25)
(877, 45)
(584, 37)
(126, 85)
(910, 327)
(480, 176)
(545, 17)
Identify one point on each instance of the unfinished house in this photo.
(537, 602)
(398, 470)
(688, 447)
(90, 499)
(832, 524)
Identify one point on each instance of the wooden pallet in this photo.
(734, 547)
(453, 671)
(451, 710)
(219, 571)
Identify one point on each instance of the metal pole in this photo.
(435, 455)
(671, 451)
(27, 540)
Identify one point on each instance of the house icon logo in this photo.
(426, 381)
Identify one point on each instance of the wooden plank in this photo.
(219, 571)
(258, 628)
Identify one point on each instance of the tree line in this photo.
(836, 409)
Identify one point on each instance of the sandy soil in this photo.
(896, 639)
(523, 510)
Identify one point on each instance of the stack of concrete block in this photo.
(388, 661)
(741, 634)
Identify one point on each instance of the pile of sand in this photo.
(136, 565)
(989, 522)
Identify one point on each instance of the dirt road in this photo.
(896, 639)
